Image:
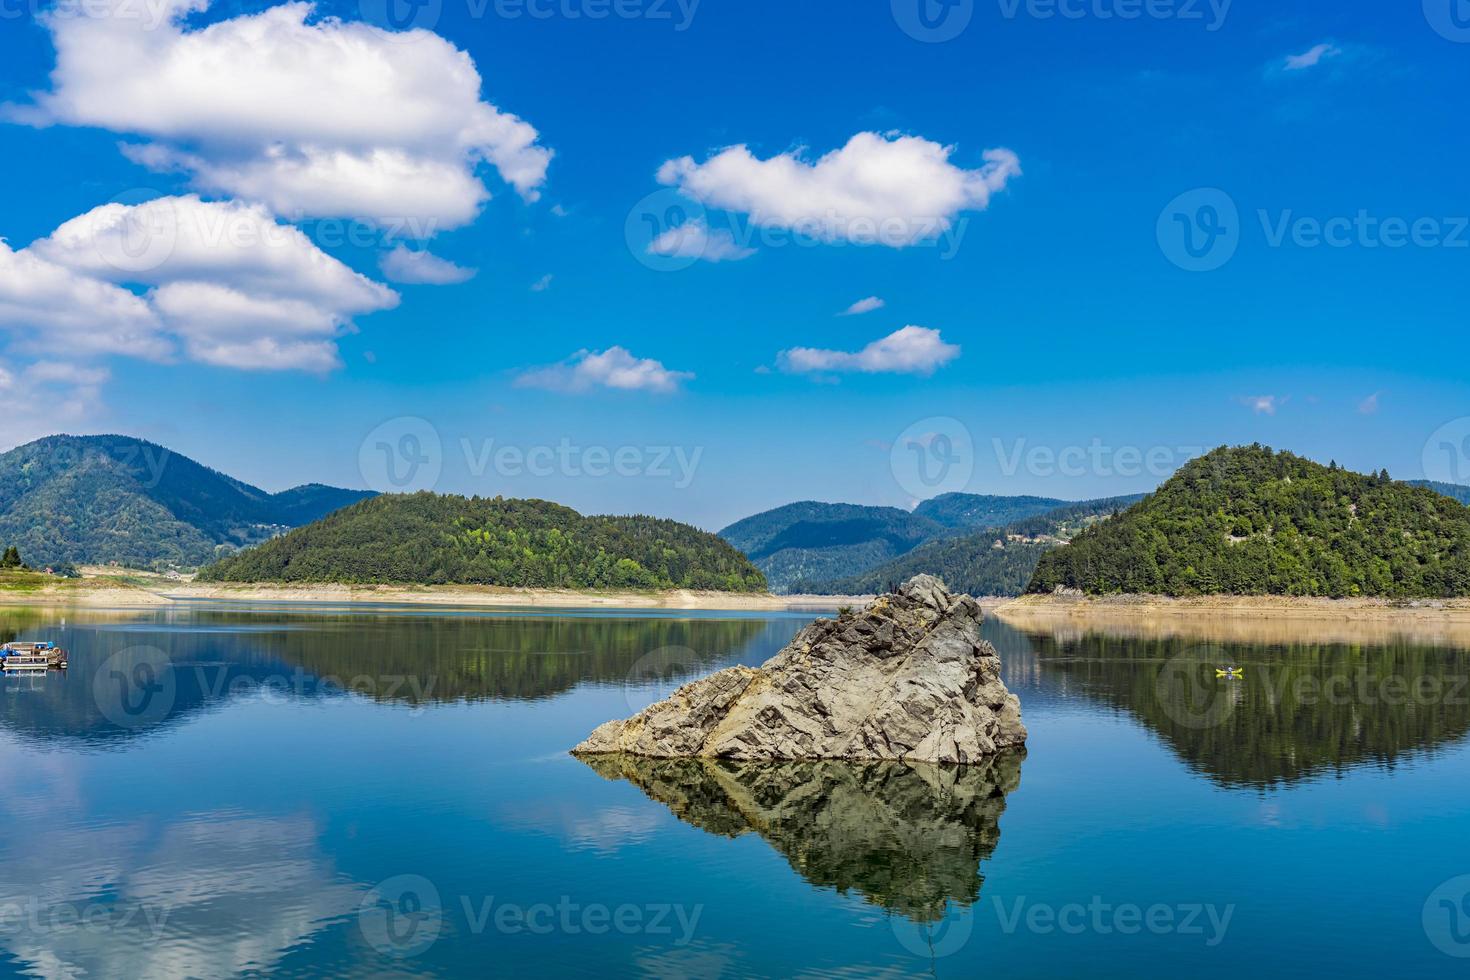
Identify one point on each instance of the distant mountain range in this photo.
(100, 499)
(994, 561)
(1250, 521)
(832, 548)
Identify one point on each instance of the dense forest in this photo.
(429, 539)
(101, 499)
(1250, 521)
(995, 561)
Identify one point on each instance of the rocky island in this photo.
(906, 678)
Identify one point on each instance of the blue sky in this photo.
(1037, 173)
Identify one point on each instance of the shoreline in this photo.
(143, 590)
(1269, 619)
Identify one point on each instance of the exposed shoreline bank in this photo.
(144, 590)
(1243, 618)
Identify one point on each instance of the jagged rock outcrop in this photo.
(908, 677)
(908, 837)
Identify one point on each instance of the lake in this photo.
(214, 791)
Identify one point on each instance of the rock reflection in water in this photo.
(908, 838)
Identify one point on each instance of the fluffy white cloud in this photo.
(234, 286)
(52, 307)
(323, 119)
(694, 239)
(878, 189)
(416, 267)
(911, 350)
(1312, 57)
(613, 368)
(864, 306)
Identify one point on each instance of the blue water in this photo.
(220, 792)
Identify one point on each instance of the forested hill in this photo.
(98, 499)
(429, 539)
(1250, 521)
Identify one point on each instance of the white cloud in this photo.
(911, 350)
(52, 307)
(1311, 58)
(878, 189)
(234, 286)
(694, 239)
(48, 396)
(543, 284)
(1264, 404)
(1370, 405)
(417, 267)
(613, 368)
(324, 119)
(864, 306)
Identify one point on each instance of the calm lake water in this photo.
(212, 792)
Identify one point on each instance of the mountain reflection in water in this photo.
(908, 838)
(1301, 710)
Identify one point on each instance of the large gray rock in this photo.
(908, 677)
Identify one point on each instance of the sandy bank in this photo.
(1246, 619)
(143, 589)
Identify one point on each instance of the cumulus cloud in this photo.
(1311, 58)
(614, 368)
(224, 280)
(53, 307)
(417, 267)
(324, 119)
(911, 350)
(864, 306)
(694, 239)
(878, 189)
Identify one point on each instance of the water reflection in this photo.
(132, 674)
(1301, 710)
(907, 838)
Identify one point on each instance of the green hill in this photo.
(810, 540)
(429, 539)
(1250, 521)
(995, 561)
(99, 499)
